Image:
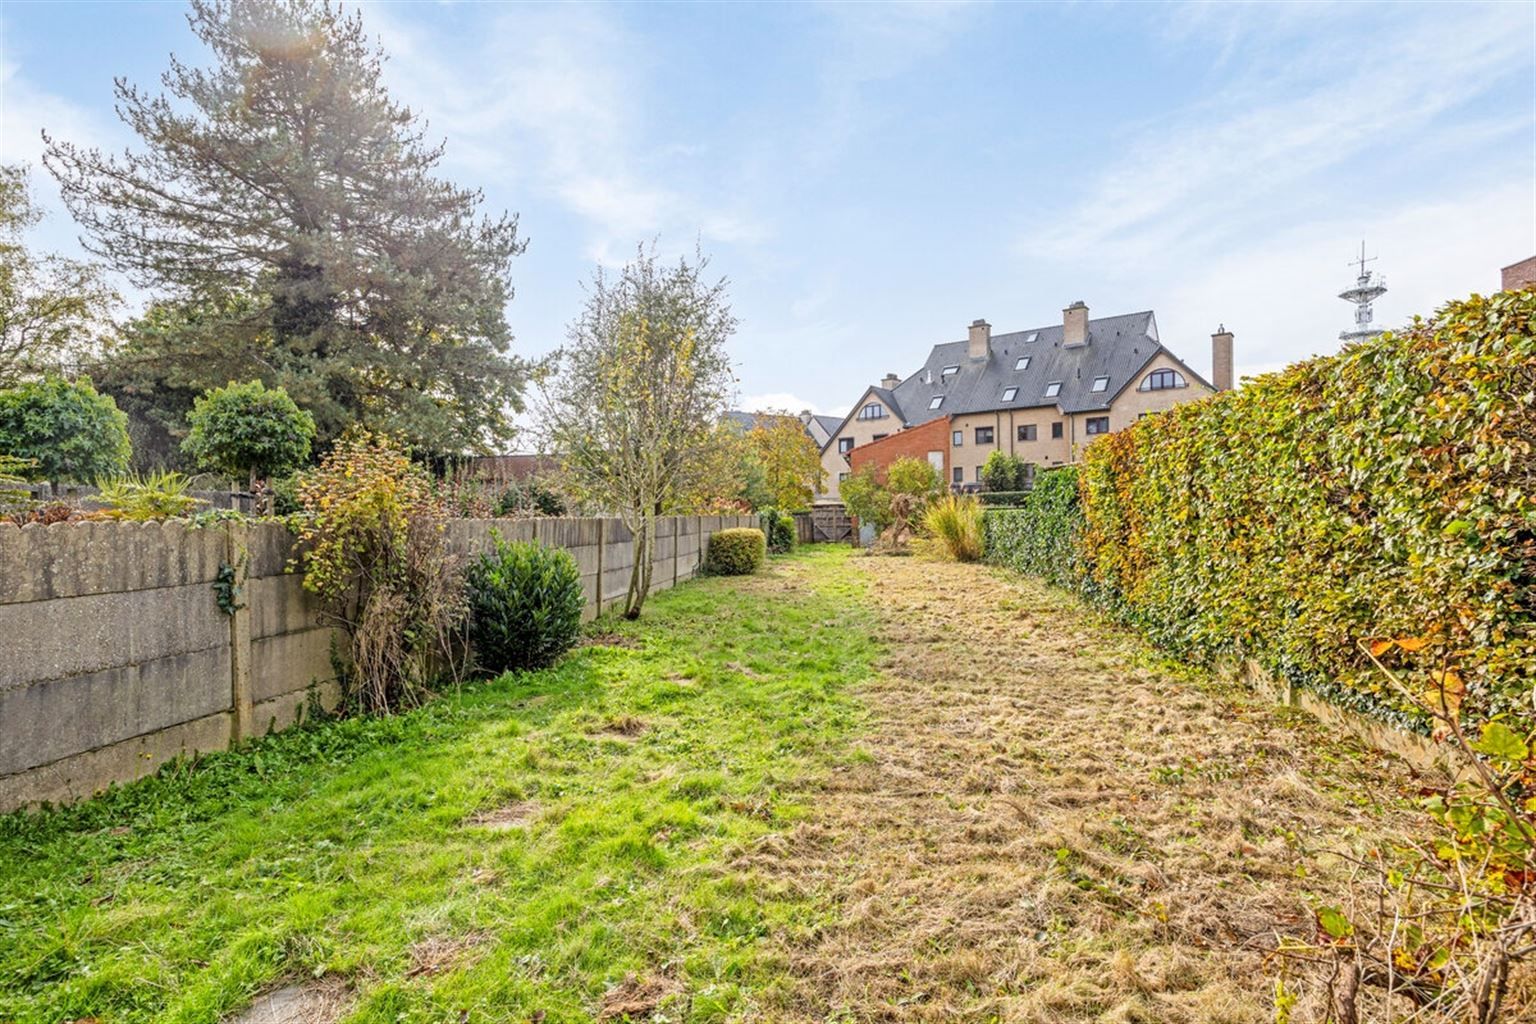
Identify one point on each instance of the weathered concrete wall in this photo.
(115, 655)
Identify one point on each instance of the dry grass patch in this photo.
(636, 998)
(438, 954)
(1050, 825)
(624, 727)
(509, 816)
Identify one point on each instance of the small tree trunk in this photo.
(640, 572)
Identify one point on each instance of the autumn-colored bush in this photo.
(1387, 493)
(373, 550)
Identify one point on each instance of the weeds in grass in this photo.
(351, 851)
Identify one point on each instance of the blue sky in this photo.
(873, 177)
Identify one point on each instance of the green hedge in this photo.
(1003, 499)
(735, 552)
(1040, 536)
(1385, 493)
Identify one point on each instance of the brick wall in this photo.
(913, 443)
(115, 655)
(1518, 275)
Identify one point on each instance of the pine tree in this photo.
(290, 208)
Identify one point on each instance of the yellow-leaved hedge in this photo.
(1380, 501)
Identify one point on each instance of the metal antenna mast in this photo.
(1368, 287)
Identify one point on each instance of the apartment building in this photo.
(1042, 394)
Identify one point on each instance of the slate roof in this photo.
(829, 424)
(1119, 347)
(749, 420)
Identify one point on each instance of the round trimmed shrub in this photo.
(736, 552)
(525, 605)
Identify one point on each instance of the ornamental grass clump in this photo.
(736, 552)
(373, 551)
(525, 604)
(954, 525)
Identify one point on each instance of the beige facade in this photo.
(1134, 402)
(972, 386)
(1041, 445)
(859, 428)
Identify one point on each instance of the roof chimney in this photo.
(1074, 324)
(1221, 359)
(981, 339)
(889, 381)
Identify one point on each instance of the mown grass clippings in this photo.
(1054, 822)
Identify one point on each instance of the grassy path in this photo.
(848, 789)
(557, 846)
(1051, 824)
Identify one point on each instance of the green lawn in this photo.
(629, 779)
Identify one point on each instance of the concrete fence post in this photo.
(602, 533)
(237, 555)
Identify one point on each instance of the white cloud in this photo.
(1207, 172)
(1238, 208)
(555, 98)
(781, 401)
(26, 110)
(1278, 294)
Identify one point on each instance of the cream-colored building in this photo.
(1041, 394)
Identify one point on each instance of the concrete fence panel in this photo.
(116, 656)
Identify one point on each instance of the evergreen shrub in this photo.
(525, 604)
(735, 552)
(779, 528)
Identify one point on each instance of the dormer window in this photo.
(1053, 389)
(1100, 384)
(935, 401)
(1009, 393)
(1022, 364)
